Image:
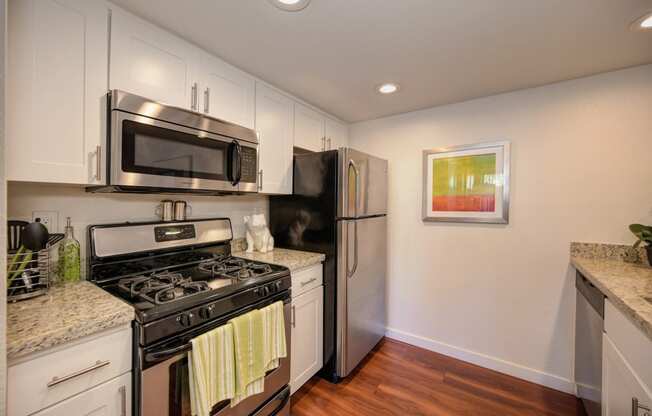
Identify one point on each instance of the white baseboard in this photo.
(492, 363)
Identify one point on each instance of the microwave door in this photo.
(151, 153)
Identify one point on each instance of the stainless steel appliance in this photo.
(182, 281)
(589, 325)
(156, 148)
(338, 207)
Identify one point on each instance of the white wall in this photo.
(88, 208)
(503, 296)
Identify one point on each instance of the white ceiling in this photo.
(335, 52)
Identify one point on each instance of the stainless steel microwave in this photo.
(156, 148)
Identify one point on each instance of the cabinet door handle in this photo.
(307, 282)
(636, 406)
(98, 163)
(58, 380)
(207, 99)
(293, 320)
(193, 97)
(123, 400)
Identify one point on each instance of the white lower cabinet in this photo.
(622, 391)
(307, 336)
(80, 378)
(112, 398)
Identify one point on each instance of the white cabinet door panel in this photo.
(151, 62)
(57, 81)
(275, 126)
(112, 398)
(337, 134)
(307, 336)
(226, 92)
(308, 129)
(620, 384)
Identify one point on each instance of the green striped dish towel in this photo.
(211, 367)
(259, 338)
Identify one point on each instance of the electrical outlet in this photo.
(48, 218)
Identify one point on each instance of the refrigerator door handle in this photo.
(350, 273)
(357, 186)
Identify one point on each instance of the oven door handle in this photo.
(285, 397)
(152, 357)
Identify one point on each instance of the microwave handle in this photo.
(237, 163)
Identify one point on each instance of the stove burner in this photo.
(161, 287)
(234, 268)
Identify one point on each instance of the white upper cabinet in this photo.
(226, 92)
(275, 126)
(309, 129)
(337, 134)
(56, 86)
(153, 63)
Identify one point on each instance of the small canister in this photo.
(165, 210)
(180, 208)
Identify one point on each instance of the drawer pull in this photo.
(59, 380)
(307, 282)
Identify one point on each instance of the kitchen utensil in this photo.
(14, 229)
(165, 210)
(180, 210)
(34, 236)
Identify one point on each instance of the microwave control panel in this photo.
(249, 165)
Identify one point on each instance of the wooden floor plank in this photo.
(400, 379)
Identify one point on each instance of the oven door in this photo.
(166, 392)
(147, 152)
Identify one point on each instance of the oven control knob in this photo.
(207, 312)
(186, 319)
(278, 286)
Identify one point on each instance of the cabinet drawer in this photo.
(306, 279)
(112, 398)
(68, 371)
(630, 341)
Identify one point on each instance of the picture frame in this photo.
(467, 183)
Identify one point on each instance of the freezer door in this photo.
(362, 266)
(363, 185)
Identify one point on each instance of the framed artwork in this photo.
(467, 183)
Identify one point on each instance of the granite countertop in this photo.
(64, 314)
(625, 283)
(292, 259)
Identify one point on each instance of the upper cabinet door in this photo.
(226, 92)
(309, 129)
(337, 134)
(151, 62)
(274, 124)
(56, 87)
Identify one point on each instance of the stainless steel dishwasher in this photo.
(589, 326)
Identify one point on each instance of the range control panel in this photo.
(174, 232)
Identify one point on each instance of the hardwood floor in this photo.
(399, 379)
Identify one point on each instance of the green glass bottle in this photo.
(69, 257)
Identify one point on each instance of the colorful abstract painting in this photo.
(464, 183)
(468, 183)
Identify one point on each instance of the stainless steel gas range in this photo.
(182, 281)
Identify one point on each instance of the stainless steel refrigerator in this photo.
(339, 208)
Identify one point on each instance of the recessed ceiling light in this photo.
(290, 5)
(388, 88)
(643, 23)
